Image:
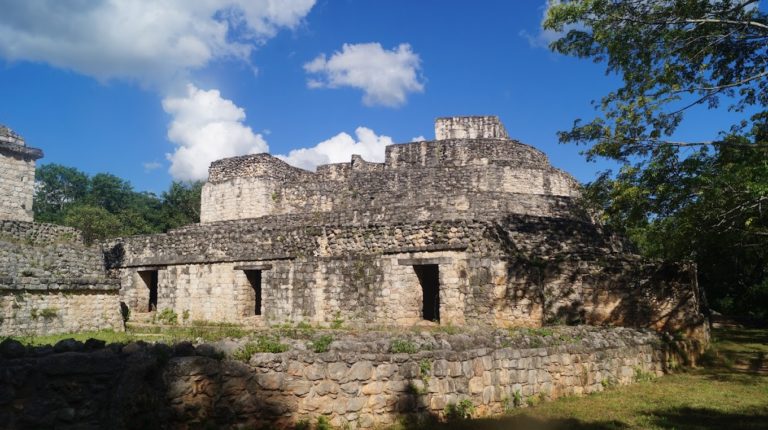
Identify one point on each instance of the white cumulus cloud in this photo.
(386, 77)
(339, 149)
(206, 127)
(151, 41)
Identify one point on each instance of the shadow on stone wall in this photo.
(578, 274)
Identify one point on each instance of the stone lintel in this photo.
(177, 261)
(150, 268)
(24, 151)
(423, 261)
(263, 266)
(427, 248)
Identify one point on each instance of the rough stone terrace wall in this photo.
(33, 233)
(51, 283)
(460, 176)
(359, 383)
(512, 271)
(17, 176)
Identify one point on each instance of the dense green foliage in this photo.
(702, 201)
(104, 205)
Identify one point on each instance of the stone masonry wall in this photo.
(51, 283)
(17, 182)
(35, 312)
(17, 176)
(469, 127)
(514, 271)
(457, 175)
(359, 383)
(33, 233)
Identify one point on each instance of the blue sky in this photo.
(150, 100)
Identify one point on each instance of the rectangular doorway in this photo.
(150, 281)
(429, 278)
(254, 278)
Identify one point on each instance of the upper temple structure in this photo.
(472, 171)
(470, 228)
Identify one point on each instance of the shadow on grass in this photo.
(739, 351)
(679, 418)
(702, 418)
(517, 422)
(743, 335)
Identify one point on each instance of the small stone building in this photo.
(470, 228)
(50, 282)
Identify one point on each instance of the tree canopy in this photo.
(703, 200)
(104, 205)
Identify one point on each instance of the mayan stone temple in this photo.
(50, 282)
(472, 228)
(440, 263)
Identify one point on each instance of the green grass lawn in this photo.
(730, 392)
(169, 334)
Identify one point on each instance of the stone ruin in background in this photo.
(470, 228)
(50, 282)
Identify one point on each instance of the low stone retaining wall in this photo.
(359, 383)
(59, 310)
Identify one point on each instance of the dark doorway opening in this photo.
(150, 280)
(429, 278)
(254, 278)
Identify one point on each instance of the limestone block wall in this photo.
(454, 175)
(469, 127)
(238, 198)
(51, 283)
(470, 191)
(359, 383)
(17, 182)
(512, 271)
(463, 152)
(34, 233)
(59, 310)
(382, 290)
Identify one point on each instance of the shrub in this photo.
(517, 398)
(403, 345)
(460, 411)
(167, 316)
(322, 344)
(323, 424)
(448, 329)
(425, 366)
(305, 328)
(262, 344)
(642, 376)
(608, 382)
(47, 313)
(337, 321)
